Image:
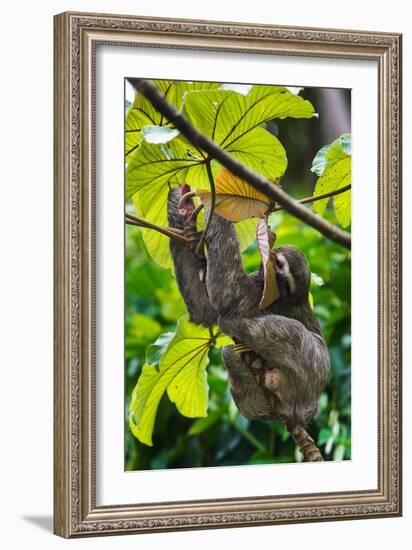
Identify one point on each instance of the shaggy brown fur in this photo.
(287, 345)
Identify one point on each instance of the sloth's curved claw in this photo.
(242, 348)
(184, 199)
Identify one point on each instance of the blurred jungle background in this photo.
(153, 306)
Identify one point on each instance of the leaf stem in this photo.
(212, 206)
(315, 198)
(212, 336)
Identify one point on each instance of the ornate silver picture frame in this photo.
(76, 37)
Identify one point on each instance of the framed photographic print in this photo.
(227, 274)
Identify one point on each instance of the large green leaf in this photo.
(155, 351)
(153, 166)
(225, 115)
(181, 373)
(142, 111)
(148, 179)
(327, 155)
(157, 244)
(189, 388)
(343, 206)
(333, 163)
(184, 86)
(262, 152)
(151, 171)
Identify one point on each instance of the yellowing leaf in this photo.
(236, 200)
(229, 184)
(265, 239)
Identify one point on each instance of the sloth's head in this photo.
(292, 274)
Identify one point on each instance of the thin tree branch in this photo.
(211, 209)
(237, 168)
(315, 198)
(212, 336)
(168, 231)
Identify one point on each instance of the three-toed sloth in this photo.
(286, 363)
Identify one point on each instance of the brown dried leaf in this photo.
(266, 239)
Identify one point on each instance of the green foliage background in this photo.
(154, 304)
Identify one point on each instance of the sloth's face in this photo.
(292, 273)
(286, 280)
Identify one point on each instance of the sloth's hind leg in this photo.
(248, 395)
